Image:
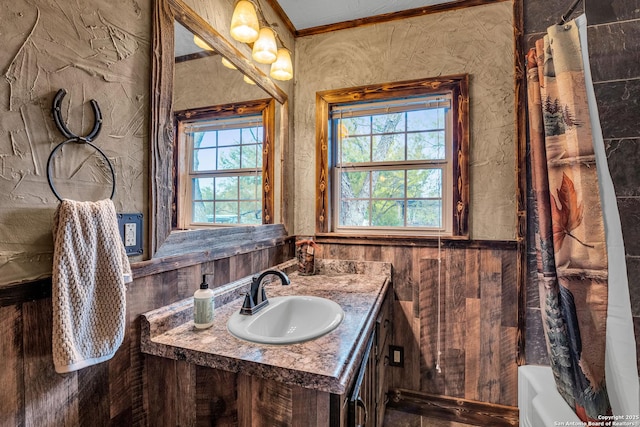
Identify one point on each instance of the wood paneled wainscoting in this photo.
(110, 393)
(473, 293)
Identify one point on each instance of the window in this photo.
(224, 165)
(396, 159)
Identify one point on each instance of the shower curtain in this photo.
(570, 239)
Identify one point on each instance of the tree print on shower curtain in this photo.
(570, 241)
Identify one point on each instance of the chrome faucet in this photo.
(256, 298)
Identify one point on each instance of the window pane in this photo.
(226, 212)
(426, 145)
(250, 213)
(388, 184)
(250, 156)
(354, 213)
(355, 185)
(227, 188)
(425, 119)
(424, 183)
(204, 160)
(386, 123)
(229, 158)
(202, 188)
(387, 213)
(250, 187)
(354, 126)
(388, 147)
(356, 149)
(424, 213)
(228, 137)
(204, 139)
(252, 135)
(202, 211)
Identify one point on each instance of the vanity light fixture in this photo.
(244, 22)
(282, 69)
(228, 64)
(201, 43)
(265, 40)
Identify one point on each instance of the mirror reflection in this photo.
(203, 77)
(224, 129)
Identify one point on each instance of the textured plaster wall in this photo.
(93, 49)
(477, 41)
(205, 82)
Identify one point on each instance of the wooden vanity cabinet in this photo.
(179, 393)
(368, 397)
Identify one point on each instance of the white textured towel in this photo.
(90, 269)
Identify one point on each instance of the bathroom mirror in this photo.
(162, 162)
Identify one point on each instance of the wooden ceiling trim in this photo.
(426, 10)
(282, 15)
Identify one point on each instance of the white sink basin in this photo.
(288, 320)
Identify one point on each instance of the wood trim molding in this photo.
(266, 107)
(386, 17)
(521, 174)
(39, 289)
(453, 409)
(427, 242)
(457, 85)
(161, 125)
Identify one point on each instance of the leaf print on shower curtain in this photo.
(570, 242)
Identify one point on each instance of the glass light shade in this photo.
(265, 50)
(228, 64)
(248, 80)
(201, 43)
(244, 22)
(282, 69)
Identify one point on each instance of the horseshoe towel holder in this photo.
(72, 137)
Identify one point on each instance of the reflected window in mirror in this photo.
(224, 163)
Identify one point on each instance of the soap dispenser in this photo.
(203, 305)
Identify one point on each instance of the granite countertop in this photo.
(327, 363)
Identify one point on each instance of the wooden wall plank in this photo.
(305, 407)
(93, 392)
(490, 311)
(403, 274)
(216, 397)
(186, 391)
(455, 322)
(11, 374)
(271, 403)
(472, 279)
(221, 273)
(50, 399)
(509, 291)
(431, 381)
(472, 354)
(509, 366)
(162, 394)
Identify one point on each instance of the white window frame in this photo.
(366, 109)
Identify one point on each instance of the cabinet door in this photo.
(362, 399)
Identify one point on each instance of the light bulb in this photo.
(248, 80)
(244, 22)
(228, 64)
(265, 49)
(282, 69)
(201, 43)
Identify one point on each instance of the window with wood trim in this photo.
(393, 159)
(224, 164)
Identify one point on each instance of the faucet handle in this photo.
(248, 304)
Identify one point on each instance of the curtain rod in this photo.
(569, 11)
